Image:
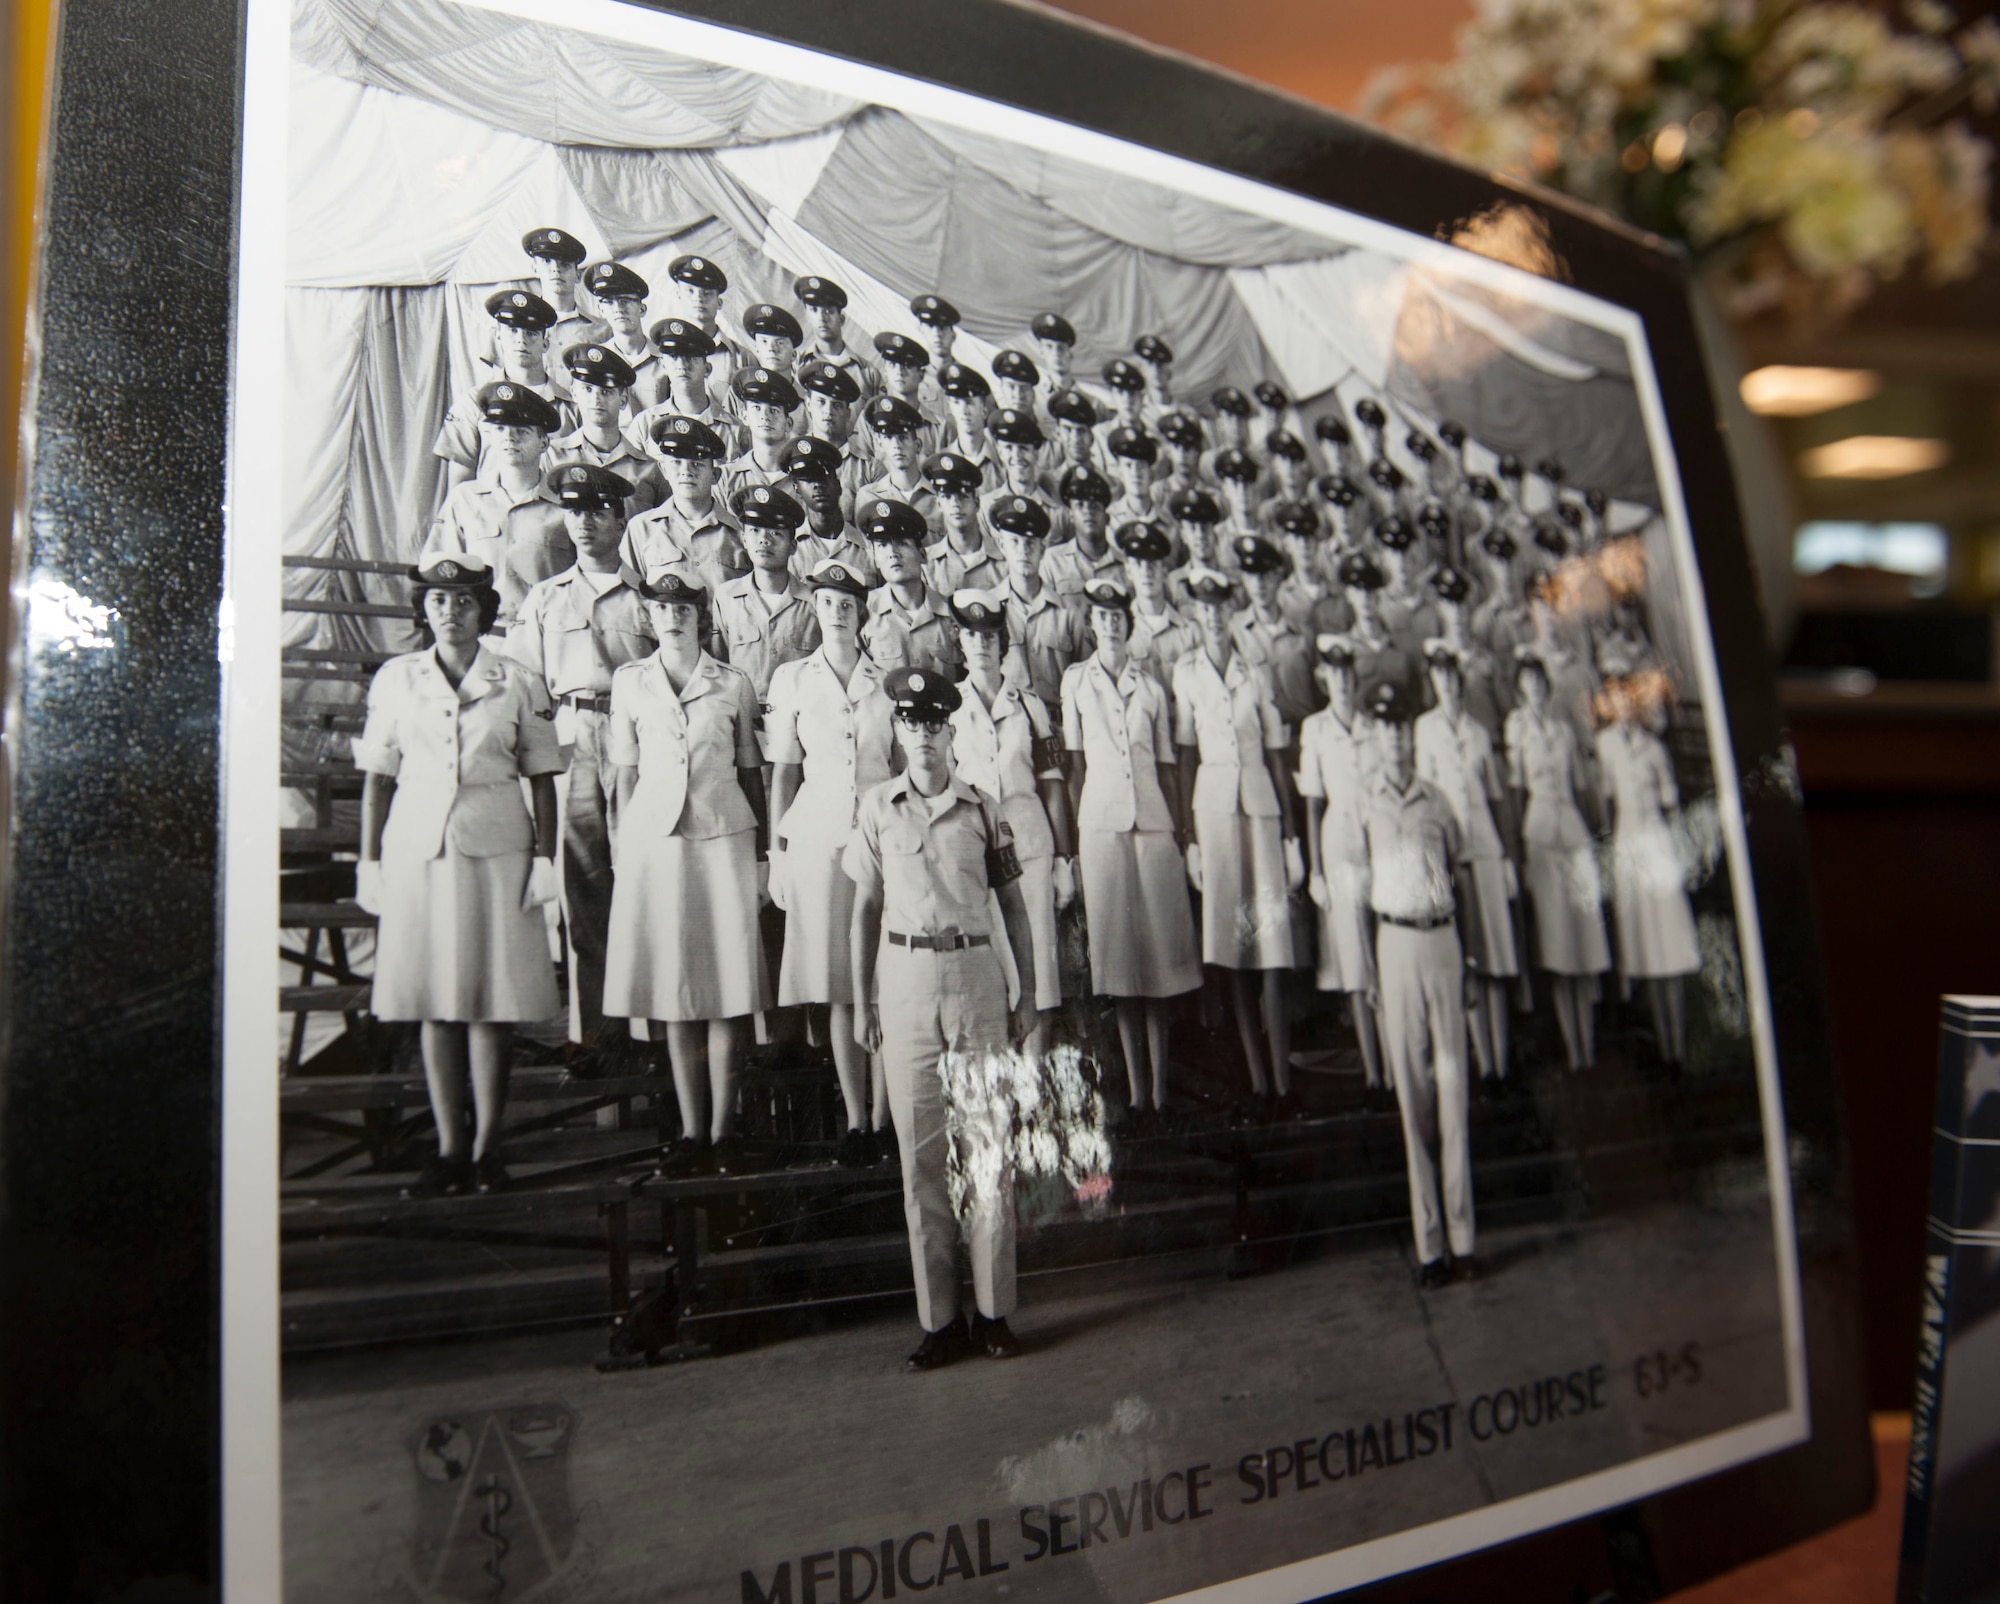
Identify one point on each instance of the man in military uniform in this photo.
(521, 324)
(600, 385)
(926, 852)
(1160, 632)
(909, 625)
(1055, 344)
(767, 402)
(826, 327)
(622, 295)
(968, 400)
(684, 356)
(964, 556)
(1232, 412)
(1071, 563)
(1199, 522)
(1125, 386)
(1418, 878)
(1291, 475)
(507, 518)
(1379, 657)
(900, 365)
(940, 320)
(692, 526)
(1346, 522)
(1306, 597)
(1133, 453)
(1274, 415)
(899, 433)
(1076, 418)
(765, 617)
(1404, 604)
(1239, 474)
(1156, 360)
(1047, 631)
(1182, 435)
(775, 337)
(1337, 447)
(1017, 378)
(1263, 634)
(557, 259)
(1375, 423)
(575, 630)
(1019, 440)
(812, 479)
(831, 395)
(701, 284)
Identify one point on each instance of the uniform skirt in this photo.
(1136, 912)
(1656, 936)
(1493, 945)
(454, 944)
(1346, 958)
(1246, 916)
(683, 934)
(819, 910)
(1566, 890)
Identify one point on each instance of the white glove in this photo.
(540, 890)
(1321, 897)
(1295, 864)
(1063, 872)
(368, 885)
(774, 880)
(764, 883)
(1194, 864)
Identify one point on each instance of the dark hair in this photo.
(1006, 638)
(1533, 665)
(489, 605)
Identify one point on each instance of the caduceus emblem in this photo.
(494, 1519)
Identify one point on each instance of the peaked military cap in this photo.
(600, 366)
(1452, 434)
(1206, 585)
(1450, 584)
(1596, 501)
(833, 574)
(1269, 394)
(891, 414)
(674, 589)
(453, 571)
(1231, 400)
(1018, 427)
(1337, 490)
(767, 507)
(1016, 365)
(1421, 445)
(956, 379)
(1433, 517)
(1389, 703)
(952, 473)
(1386, 474)
(1370, 412)
(1081, 482)
(687, 438)
(934, 312)
(1551, 470)
(812, 290)
(1483, 488)
(1395, 534)
(698, 271)
(764, 318)
(982, 610)
(507, 402)
(1020, 515)
(1180, 429)
(810, 457)
(1296, 518)
(1195, 506)
(1121, 375)
(1359, 572)
(611, 281)
(901, 350)
(1073, 406)
(1332, 428)
(1439, 650)
(1283, 443)
(554, 245)
(886, 519)
(678, 337)
(1235, 463)
(922, 694)
(827, 378)
(1151, 348)
(761, 384)
(1052, 326)
(1143, 541)
(1570, 513)
(1126, 441)
(520, 309)
(1499, 543)
(1256, 555)
(1510, 466)
(1109, 594)
(582, 486)
(1336, 651)
(1552, 540)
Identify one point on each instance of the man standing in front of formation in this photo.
(925, 852)
(1417, 877)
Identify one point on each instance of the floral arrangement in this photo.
(1804, 151)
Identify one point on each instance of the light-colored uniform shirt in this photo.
(948, 569)
(810, 550)
(932, 858)
(460, 441)
(1045, 636)
(839, 733)
(575, 631)
(670, 537)
(923, 636)
(687, 746)
(759, 631)
(457, 755)
(521, 538)
(1231, 718)
(1413, 847)
(1338, 764)
(1457, 757)
(735, 438)
(995, 751)
(1160, 640)
(1277, 645)
(1068, 567)
(623, 458)
(1124, 729)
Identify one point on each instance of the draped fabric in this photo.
(553, 84)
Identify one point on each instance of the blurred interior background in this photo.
(1867, 428)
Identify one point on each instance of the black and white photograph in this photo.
(1002, 863)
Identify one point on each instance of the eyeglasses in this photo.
(930, 726)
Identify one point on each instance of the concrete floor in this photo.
(682, 1477)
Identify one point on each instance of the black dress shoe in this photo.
(995, 1338)
(856, 1151)
(441, 1177)
(686, 1158)
(1434, 1275)
(939, 1348)
(1467, 1268)
(731, 1156)
(886, 1149)
(490, 1175)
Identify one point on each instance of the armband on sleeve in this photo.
(1047, 753)
(1003, 863)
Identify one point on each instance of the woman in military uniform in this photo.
(828, 738)
(454, 865)
(683, 944)
(1118, 728)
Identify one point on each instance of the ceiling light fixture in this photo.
(1874, 456)
(1787, 392)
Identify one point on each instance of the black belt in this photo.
(945, 943)
(1438, 923)
(590, 704)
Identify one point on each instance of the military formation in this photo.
(846, 667)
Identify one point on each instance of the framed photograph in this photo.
(991, 816)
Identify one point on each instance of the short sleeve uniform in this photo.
(521, 538)
(1336, 766)
(923, 636)
(995, 749)
(1456, 756)
(454, 942)
(1655, 923)
(1561, 873)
